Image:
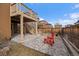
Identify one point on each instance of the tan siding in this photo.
(5, 22)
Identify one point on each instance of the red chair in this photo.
(50, 39)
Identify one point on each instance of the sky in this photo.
(62, 13)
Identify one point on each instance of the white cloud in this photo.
(76, 6)
(41, 18)
(74, 15)
(72, 18)
(66, 21)
(65, 14)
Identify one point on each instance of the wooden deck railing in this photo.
(21, 8)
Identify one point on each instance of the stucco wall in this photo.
(5, 22)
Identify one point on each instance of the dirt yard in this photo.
(20, 50)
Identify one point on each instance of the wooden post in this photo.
(21, 29)
(36, 27)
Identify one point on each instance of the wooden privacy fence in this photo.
(73, 34)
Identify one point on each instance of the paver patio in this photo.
(36, 42)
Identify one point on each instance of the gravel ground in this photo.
(36, 42)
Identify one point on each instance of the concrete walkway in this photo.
(36, 42)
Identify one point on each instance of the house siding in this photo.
(5, 21)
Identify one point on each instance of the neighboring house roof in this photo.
(45, 24)
(77, 22)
